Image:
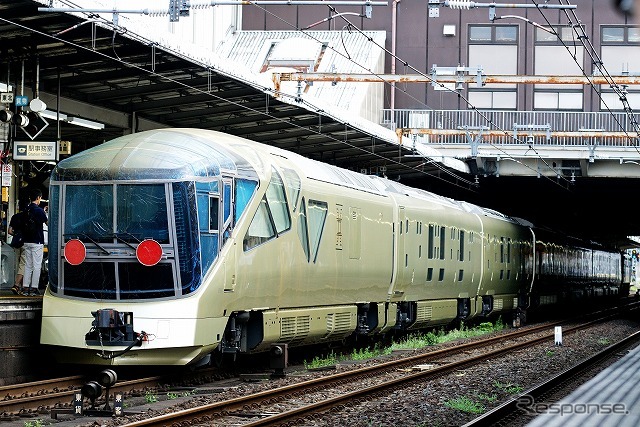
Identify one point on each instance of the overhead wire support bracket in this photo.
(434, 6)
(178, 8)
(460, 74)
(531, 128)
(473, 139)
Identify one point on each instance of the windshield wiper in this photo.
(120, 239)
(91, 240)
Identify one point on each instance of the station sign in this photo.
(34, 150)
(22, 101)
(7, 174)
(6, 97)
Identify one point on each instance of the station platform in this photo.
(610, 399)
(20, 318)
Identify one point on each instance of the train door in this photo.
(226, 226)
(401, 257)
(209, 213)
(227, 209)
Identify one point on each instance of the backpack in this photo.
(18, 237)
(30, 229)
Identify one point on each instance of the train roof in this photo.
(180, 154)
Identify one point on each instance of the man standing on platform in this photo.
(34, 219)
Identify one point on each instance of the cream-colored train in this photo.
(171, 245)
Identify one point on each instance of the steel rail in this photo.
(212, 411)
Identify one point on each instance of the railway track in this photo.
(559, 385)
(57, 395)
(308, 400)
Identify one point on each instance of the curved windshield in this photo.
(112, 220)
(129, 213)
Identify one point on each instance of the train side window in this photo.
(429, 274)
(461, 245)
(460, 275)
(208, 205)
(317, 212)
(213, 213)
(303, 231)
(277, 201)
(227, 200)
(441, 275)
(293, 185)
(430, 242)
(243, 192)
(261, 228)
(442, 240)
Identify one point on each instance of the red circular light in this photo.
(75, 252)
(149, 252)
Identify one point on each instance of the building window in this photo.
(619, 55)
(494, 48)
(552, 59)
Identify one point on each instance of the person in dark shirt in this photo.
(34, 219)
(16, 223)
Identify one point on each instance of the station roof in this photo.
(83, 68)
(128, 82)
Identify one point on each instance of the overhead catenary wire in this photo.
(472, 107)
(407, 65)
(597, 62)
(214, 96)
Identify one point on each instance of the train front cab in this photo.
(128, 251)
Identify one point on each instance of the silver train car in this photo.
(171, 246)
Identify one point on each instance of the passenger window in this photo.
(261, 228)
(278, 203)
(293, 185)
(430, 242)
(429, 274)
(441, 275)
(303, 232)
(227, 200)
(317, 216)
(272, 216)
(213, 214)
(244, 190)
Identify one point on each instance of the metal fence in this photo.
(612, 129)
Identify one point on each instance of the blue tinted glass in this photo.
(53, 248)
(203, 212)
(209, 243)
(227, 201)
(95, 280)
(244, 191)
(142, 212)
(88, 212)
(184, 200)
(208, 240)
(211, 187)
(141, 282)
